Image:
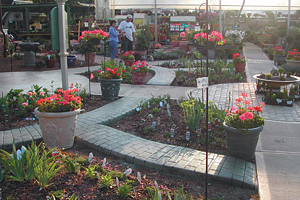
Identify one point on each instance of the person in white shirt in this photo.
(128, 38)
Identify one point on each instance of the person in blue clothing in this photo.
(113, 38)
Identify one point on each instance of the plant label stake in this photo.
(169, 113)
(153, 124)
(128, 172)
(202, 82)
(161, 104)
(104, 163)
(118, 182)
(168, 106)
(187, 136)
(90, 159)
(158, 120)
(139, 177)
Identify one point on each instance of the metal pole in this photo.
(220, 17)
(206, 135)
(289, 16)
(155, 7)
(63, 43)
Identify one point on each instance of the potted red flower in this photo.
(242, 126)
(50, 59)
(139, 72)
(110, 80)
(128, 58)
(278, 55)
(239, 62)
(293, 61)
(57, 115)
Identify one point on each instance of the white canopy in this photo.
(214, 4)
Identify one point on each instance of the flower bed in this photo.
(80, 181)
(155, 123)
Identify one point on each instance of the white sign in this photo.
(197, 28)
(202, 82)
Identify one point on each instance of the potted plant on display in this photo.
(242, 126)
(239, 62)
(57, 115)
(278, 55)
(88, 43)
(139, 72)
(50, 59)
(128, 58)
(110, 79)
(143, 41)
(293, 61)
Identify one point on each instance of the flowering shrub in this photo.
(61, 101)
(214, 37)
(293, 55)
(140, 67)
(95, 34)
(278, 51)
(110, 70)
(244, 116)
(128, 55)
(50, 55)
(237, 58)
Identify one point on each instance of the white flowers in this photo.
(235, 33)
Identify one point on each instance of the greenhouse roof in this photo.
(214, 4)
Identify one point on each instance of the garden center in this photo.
(159, 100)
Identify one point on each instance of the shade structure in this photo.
(214, 4)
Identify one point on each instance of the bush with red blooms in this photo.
(237, 58)
(293, 55)
(110, 70)
(243, 116)
(128, 55)
(140, 67)
(279, 51)
(61, 101)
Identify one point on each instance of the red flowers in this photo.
(293, 55)
(237, 58)
(95, 34)
(140, 67)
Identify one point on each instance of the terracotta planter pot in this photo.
(242, 145)
(239, 67)
(58, 129)
(50, 63)
(138, 78)
(292, 65)
(128, 63)
(90, 58)
(110, 88)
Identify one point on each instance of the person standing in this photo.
(113, 38)
(128, 38)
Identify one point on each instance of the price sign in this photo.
(202, 82)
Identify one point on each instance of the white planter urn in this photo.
(58, 129)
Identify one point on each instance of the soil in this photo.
(16, 122)
(140, 124)
(18, 65)
(188, 79)
(87, 189)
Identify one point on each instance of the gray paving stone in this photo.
(225, 175)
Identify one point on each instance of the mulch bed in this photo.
(88, 189)
(18, 65)
(16, 122)
(140, 124)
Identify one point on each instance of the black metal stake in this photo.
(89, 74)
(206, 135)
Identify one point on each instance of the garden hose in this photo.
(239, 15)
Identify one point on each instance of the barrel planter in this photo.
(58, 129)
(71, 60)
(90, 58)
(50, 63)
(138, 78)
(239, 67)
(242, 144)
(278, 59)
(292, 66)
(128, 63)
(110, 88)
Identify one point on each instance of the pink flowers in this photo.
(24, 104)
(237, 58)
(214, 36)
(95, 34)
(182, 34)
(140, 67)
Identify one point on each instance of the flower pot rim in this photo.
(256, 128)
(113, 79)
(71, 56)
(56, 114)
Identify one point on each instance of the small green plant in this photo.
(90, 172)
(73, 197)
(114, 174)
(131, 182)
(124, 191)
(166, 134)
(269, 76)
(180, 195)
(192, 113)
(57, 194)
(155, 110)
(82, 161)
(71, 164)
(106, 181)
(45, 169)
(148, 129)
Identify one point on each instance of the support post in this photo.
(63, 43)
(156, 36)
(220, 16)
(27, 20)
(289, 16)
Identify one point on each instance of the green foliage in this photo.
(167, 134)
(82, 161)
(71, 164)
(155, 110)
(124, 191)
(114, 174)
(90, 172)
(57, 194)
(143, 39)
(45, 169)
(192, 113)
(179, 195)
(175, 54)
(148, 129)
(106, 181)
(87, 47)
